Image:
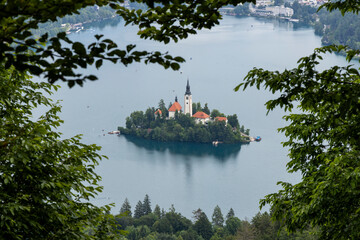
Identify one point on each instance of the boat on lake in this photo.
(258, 139)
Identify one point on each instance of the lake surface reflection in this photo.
(222, 152)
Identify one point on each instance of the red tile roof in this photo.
(200, 115)
(221, 118)
(174, 107)
(158, 111)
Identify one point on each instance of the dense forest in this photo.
(147, 224)
(183, 128)
(332, 26)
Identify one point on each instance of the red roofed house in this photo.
(222, 119)
(201, 117)
(175, 107)
(158, 112)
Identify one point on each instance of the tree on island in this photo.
(233, 121)
(181, 128)
(206, 109)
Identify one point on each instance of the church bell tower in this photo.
(188, 100)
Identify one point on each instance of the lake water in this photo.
(190, 176)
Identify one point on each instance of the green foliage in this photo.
(126, 208)
(139, 210)
(305, 13)
(206, 109)
(147, 204)
(334, 27)
(182, 128)
(163, 226)
(217, 217)
(246, 231)
(172, 225)
(216, 113)
(233, 121)
(232, 225)
(230, 214)
(203, 227)
(45, 181)
(265, 228)
(323, 140)
(58, 58)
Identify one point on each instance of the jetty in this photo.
(251, 139)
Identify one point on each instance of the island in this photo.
(192, 123)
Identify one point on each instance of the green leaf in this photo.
(98, 63)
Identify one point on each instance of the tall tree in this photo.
(206, 109)
(232, 225)
(217, 217)
(126, 208)
(157, 211)
(146, 205)
(45, 180)
(233, 121)
(197, 213)
(323, 140)
(203, 227)
(263, 226)
(230, 214)
(139, 210)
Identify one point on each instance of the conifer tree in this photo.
(172, 208)
(139, 211)
(163, 213)
(126, 208)
(146, 205)
(230, 214)
(157, 211)
(217, 217)
(203, 226)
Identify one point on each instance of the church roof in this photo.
(174, 107)
(200, 115)
(221, 118)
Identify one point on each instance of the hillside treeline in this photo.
(143, 223)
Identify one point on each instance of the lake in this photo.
(190, 176)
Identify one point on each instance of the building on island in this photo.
(188, 100)
(158, 113)
(201, 117)
(175, 107)
(222, 119)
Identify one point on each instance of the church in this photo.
(200, 117)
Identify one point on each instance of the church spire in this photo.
(188, 88)
(188, 100)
